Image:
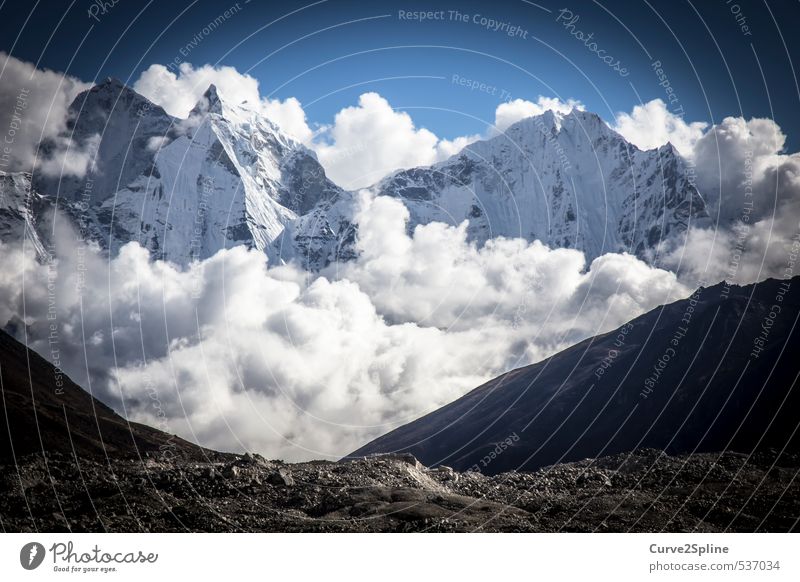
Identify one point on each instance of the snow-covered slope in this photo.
(567, 180)
(186, 188)
(20, 208)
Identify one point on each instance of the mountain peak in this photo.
(210, 102)
(111, 83)
(213, 98)
(111, 94)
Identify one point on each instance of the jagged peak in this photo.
(213, 99)
(670, 148)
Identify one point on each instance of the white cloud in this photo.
(156, 142)
(179, 92)
(739, 157)
(34, 106)
(652, 125)
(753, 193)
(299, 366)
(510, 112)
(382, 140)
(289, 116)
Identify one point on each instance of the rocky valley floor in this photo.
(643, 491)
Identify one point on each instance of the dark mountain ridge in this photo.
(713, 372)
(44, 411)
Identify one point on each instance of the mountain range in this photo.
(226, 175)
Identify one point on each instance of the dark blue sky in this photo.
(328, 53)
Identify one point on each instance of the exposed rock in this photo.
(281, 477)
(641, 491)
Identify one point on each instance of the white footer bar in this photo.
(401, 557)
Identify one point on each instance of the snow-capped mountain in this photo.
(226, 175)
(567, 180)
(185, 188)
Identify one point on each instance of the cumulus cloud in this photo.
(510, 112)
(34, 106)
(242, 356)
(178, 92)
(752, 189)
(370, 140)
(652, 125)
(739, 161)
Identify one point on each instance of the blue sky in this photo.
(720, 58)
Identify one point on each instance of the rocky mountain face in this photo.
(226, 175)
(22, 212)
(714, 372)
(566, 180)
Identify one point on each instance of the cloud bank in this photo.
(241, 356)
